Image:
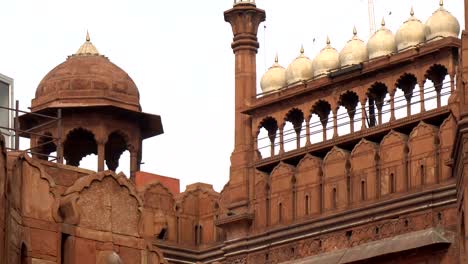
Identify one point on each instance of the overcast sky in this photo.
(178, 53)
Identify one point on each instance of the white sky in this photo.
(178, 53)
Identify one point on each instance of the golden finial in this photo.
(302, 49)
(441, 3)
(87, 36)
(354, 31)
(383, 22)
(412, 11)
(276, 57)
(328, 40)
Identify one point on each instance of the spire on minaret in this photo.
(87, 36)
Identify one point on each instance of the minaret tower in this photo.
(245, 19)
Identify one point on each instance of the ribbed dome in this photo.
(87, 79)
(442, 24)
(300, 69)
(354, 52)
(328, 59)
(411, 33)
(381, 43)
(274, 78)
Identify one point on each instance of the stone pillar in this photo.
(335, 122)
(281, 139)
(421, 95)
(101, 147)
(307, 121)
(392, 105)
(363, 114)
(133, 164)
(245, 19)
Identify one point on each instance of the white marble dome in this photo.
(300, 69)
(411, 33)
(354, 52)
(274, 78)
(328, 59)
(442, 24)
(381, 43)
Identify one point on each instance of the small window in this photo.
(334, 198)
(363, 190)
(422, 174)
(392, 183)
(307, 205)
(280, 212)
(162, 234)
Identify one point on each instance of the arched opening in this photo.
(346, 121)
(315, 127)
(438, 89)
(375, 104)
(116, 149)
(78, 144)
(45, 147)
(267, 136)
(406, 84)
(323, 110)
(294, 123)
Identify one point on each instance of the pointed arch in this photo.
(79, 143)
(376, 96)
(349, 100)
(266, 136)
(293, 124)
(406, 84)
(116, 144)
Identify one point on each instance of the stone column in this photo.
(392, 105)
(307, 121)
(133, 164)
(281, 139)
(101, 150)
(363, 114)
(335, 122)
(421, 95)
(245, 19)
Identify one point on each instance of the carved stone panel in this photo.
(423, 162)
(393, 168)
(281, 202)
(447, 133)
(335, 175)
(308, 186)
(364, 171)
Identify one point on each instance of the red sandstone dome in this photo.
(87, 77)
(89, 84)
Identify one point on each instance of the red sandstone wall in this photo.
(144, 178)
